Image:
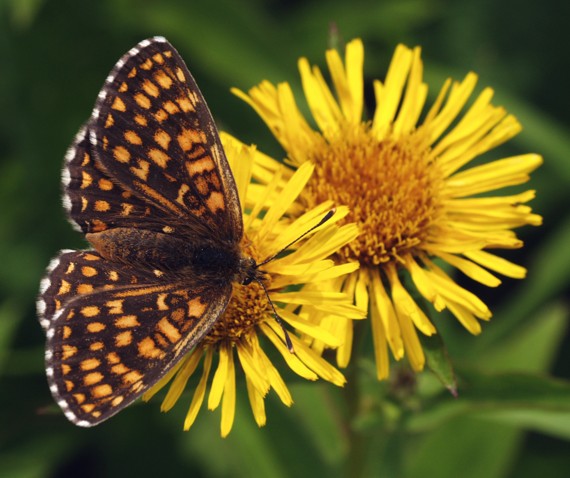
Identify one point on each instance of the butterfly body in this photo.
(147, 181)
(168, 256)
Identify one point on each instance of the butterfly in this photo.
(146, 180)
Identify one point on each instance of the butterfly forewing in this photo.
(94, 201)
(152, 131)
(147, 181)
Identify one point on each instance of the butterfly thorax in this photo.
(164, 255)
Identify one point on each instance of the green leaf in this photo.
(437, 360)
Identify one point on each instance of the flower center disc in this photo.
(391, 187)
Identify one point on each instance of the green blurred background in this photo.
(513, 414)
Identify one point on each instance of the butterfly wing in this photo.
(111, 335)
(152, 132)
(94, 201)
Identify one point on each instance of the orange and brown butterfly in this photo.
(147, 181)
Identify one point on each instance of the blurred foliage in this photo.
(512, 415)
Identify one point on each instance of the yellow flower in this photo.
(249, 321)
(409, 186)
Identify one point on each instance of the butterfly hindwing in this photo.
(153, 133)
(106, 347)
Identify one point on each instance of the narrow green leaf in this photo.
(437, 360)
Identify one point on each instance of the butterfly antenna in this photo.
(325, 218)
(278, 318)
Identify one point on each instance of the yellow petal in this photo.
(200, 392)
(497, 264)
(220, 377)
(229, 400)
(179, 383)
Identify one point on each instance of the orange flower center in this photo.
(391, 187)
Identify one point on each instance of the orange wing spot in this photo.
(86, 180)
(70, 315)
(64, 288)
(68, 351)
(147, 65)
(159, 157)
(200, 166)
(127, 321)
(96, 414)
(151, 89)
(79, 398)
(181, 192)
(91, 257)
(90, 311)
(70, 268)
(120, 369)
(65, 369)
(118, 104)
(160, 302)
(69, 385)
(95, 327)
(188, 137)
(196, 308)
(147, 349)
(178, 315)
(124, 87)
(110, 121)
(132, 73)
(101, 391)
(96, 346)
(139, 119)
(102, 206)
(92, 378)
(202, 185)
(115, 306)
(117, 401)
(132, 377)
(168, 229)
(158, 273)
(180, 75)
(137, 387)
(88, 271)
(113, 358)
(84, 288)
(121, 154)
(168, 54)
(185, 104)
(124, 338)
(158, 197)
(57, 304)
(105, 184)
(171, 107)
(162, 138)
(114, 275)
(163, 79)
(143, 101)
(90, 364)
(88, 407)
(126, 210)
(86, 160)
(216, 202)
(105, 143)
(142, 170)
(132, 137)
(160, 116)
(168, 330)
(158, 58)
(161, 341)
(66, 331)
(84, 203)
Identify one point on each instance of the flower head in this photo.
(249, 320)
(410, 187)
